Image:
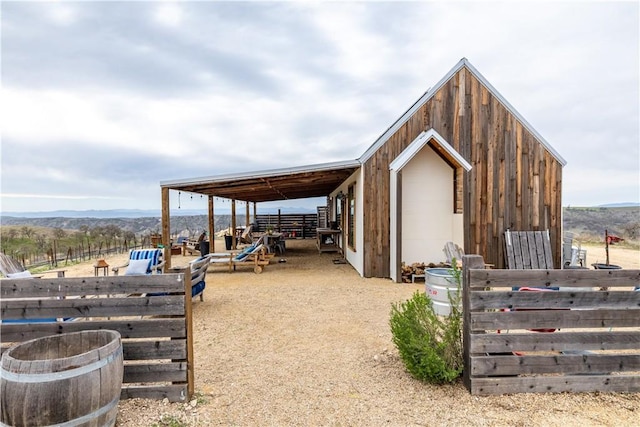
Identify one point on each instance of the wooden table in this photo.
(327, 239)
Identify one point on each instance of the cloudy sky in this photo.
(103, 100)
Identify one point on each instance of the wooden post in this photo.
(212, 227)
(246, 215)
(279, 221)
(233, 224)
(468, 262)
(606, 244)
(255, 212)
(166, 227)
(188, 319)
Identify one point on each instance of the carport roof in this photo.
(277, 184)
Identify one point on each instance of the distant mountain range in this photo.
(140, 213)
(620, 205)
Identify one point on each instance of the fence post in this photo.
(188, 318)
(469, 262)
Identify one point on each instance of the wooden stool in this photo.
(101, 264)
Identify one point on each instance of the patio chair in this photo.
(12, 269)
(199, 268)
(451, 251)
(255, 254)
(528, 250)
(246, 236)
(141, 262)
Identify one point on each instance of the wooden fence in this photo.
(592, 338)
(294, 226)
(156, 330)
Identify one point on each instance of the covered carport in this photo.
(252, 187)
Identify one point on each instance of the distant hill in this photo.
(591, 223)
(139, 213)
(587, 223)
(620, 205)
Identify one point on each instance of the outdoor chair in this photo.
(451, 251)
(246, 236)
(255, 254)
(142, 261)
(528, 250)
(198, 268)
(12, 269)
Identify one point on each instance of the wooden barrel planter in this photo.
(72, 379)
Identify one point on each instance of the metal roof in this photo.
(276, 184)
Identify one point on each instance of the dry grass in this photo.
(307, 343)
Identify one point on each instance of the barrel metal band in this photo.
(63, 375)
(85, 418)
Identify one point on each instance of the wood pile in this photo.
(418, 268)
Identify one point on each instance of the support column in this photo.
(246, 215)
(212, 226)
(233, 224)
(255, 212)
(166, 227)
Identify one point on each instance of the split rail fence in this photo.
(575, 339)
(156, 330)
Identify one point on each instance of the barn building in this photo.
(461, 164)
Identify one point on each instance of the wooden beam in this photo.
(246, 215)
(255, 211)
(212, 226)
(233, 224)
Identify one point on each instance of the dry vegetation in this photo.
(308, 342)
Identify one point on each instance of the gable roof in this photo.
(432, 91)
(423, 139)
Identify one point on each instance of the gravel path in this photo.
(307, 343)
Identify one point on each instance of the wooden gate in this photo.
(594, 346)
(156, 330)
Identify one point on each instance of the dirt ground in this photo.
(307, 343)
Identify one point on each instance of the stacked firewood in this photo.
(417, 268)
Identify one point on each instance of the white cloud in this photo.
(169, 14)
(109, 98)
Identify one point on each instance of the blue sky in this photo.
(103, 100)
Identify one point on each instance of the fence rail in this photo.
(294, 226)
(520, 336)
(156, 330)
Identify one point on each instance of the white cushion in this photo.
(137, 267)
(21, 275)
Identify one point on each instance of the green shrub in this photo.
(430, 346)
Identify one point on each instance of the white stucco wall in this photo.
(428, 221)
(355, 258)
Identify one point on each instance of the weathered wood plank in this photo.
(548, 278)
(129, 328)
(175, 393)
(151, 350)
(559, 384)
(557, 341)
(498, 365)
(485, 300)
(92, 307)
(549, 319)
(155, 373)
(90, 286)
